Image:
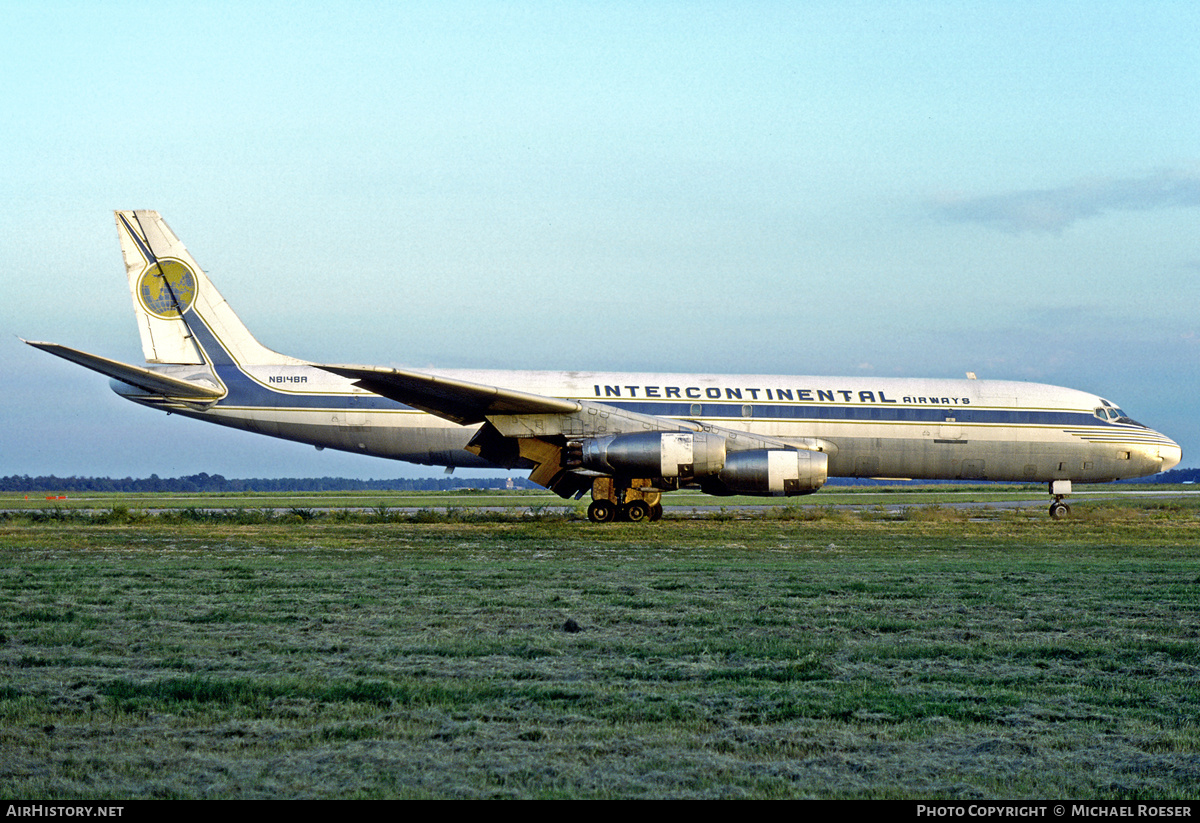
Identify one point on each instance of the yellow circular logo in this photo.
(157, 298)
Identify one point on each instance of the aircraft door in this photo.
(353, 424)
(950, 429)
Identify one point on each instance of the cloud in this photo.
(1052, 210)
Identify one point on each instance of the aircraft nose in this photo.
(1170, 456)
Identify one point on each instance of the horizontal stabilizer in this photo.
(151, 381)
(456, 400)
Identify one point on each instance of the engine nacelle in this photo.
(770, 472)
(669, 455)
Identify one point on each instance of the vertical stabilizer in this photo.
(181, 315)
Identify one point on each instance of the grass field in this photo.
(542, 500)
(298, 652)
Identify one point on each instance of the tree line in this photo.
(204, 482)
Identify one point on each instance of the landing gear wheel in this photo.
(602, 511)
(656, 512)
(1059, 510)
(636, 511)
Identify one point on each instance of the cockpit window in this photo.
(1109, 412)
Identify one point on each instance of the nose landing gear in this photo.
(1059, 489)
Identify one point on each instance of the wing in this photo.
(457, 400)
(551, 432)
(150, 381)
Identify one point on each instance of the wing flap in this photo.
(151, 381)
(460, 401)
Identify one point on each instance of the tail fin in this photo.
(181, 316)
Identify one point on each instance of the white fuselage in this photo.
(869, 427)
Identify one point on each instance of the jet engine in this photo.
(769, 473)
(670, 455)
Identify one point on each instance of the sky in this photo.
(815, 188)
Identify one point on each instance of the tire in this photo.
(602, 511)
(636, 511)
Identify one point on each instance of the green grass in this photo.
(304, 502)
(924, 654)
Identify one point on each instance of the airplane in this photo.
(624, 438)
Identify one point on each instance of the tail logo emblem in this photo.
(167, 289)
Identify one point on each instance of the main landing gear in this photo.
(631, 504)
(1059, 489)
